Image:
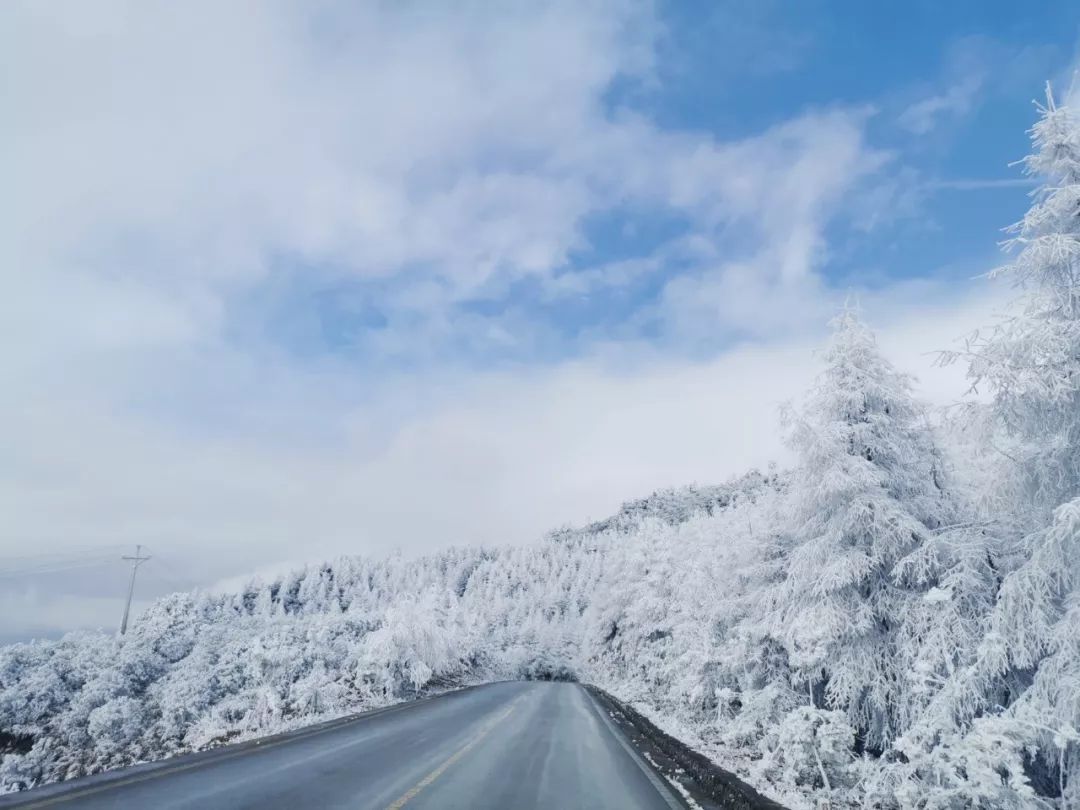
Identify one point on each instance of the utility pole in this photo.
(136, 561)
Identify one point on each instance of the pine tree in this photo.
(1031, 362)
(867, 494)
(1028, 662)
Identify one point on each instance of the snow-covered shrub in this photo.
(21, 771)
(415, 643)
(811, 747)
(982, 768)
(115, 728)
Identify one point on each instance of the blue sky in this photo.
(944, 93)
(283, 281)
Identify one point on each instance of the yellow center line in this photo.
(414, 791)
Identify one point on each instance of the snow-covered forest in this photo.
(893, 622)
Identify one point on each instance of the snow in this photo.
(675, 783)
(936, 596)
(893, 622)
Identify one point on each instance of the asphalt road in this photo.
(505, 745)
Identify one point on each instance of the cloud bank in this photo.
(282, 281)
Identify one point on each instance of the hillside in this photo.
(198, 669)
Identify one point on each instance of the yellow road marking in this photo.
(414, 791)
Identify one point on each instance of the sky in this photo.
(282, 281)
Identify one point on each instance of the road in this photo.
(504, 745)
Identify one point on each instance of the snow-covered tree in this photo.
(866, 495)
(1031, 362)
(1026, 666)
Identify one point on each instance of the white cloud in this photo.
(969, 64)
(924, 115)
(167, 157)
(493, 458)
(787, 185)
(224, 133)
(979, 184)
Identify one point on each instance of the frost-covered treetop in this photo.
(1032, 360)
(861, 419)
(1056, 139)
(1046, 243)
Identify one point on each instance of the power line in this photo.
(52, 570)
(65, 554)
(55, 567)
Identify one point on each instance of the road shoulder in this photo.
(703, 782)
